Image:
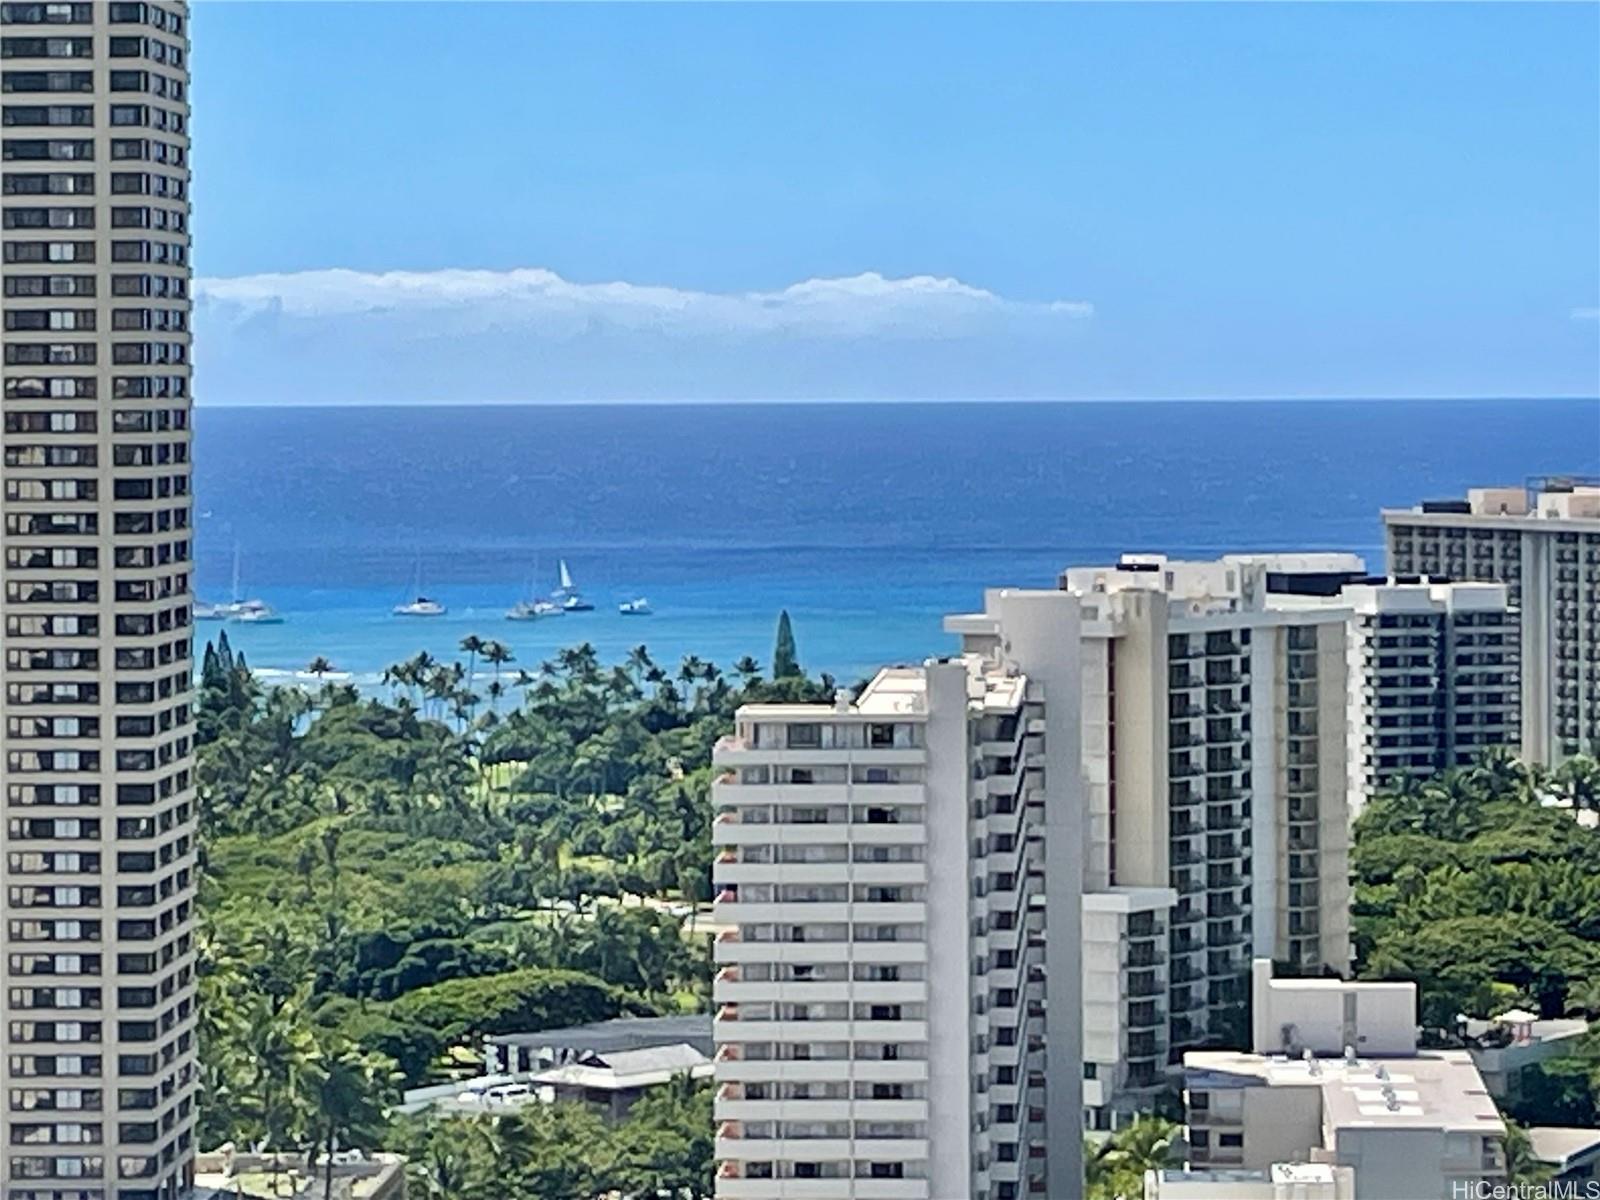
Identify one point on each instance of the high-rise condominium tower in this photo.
(98, 1090)
(1214, 745)
(900, 883)
(1543, 543)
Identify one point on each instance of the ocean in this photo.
(868, 522)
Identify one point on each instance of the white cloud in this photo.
(528, 335)
(1586, 314)
(538, 302)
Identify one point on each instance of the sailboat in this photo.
(571, 599)
(247, 612)
(533, 610)
(421, 606)
(255, 612)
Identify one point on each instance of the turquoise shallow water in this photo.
(868, 522)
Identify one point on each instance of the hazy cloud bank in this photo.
(331, 336)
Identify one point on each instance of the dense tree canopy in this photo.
(387, 877)
(1480, 892)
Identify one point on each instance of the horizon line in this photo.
(840, 401)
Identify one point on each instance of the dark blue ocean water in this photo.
(867, 521)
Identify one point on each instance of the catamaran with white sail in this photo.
(570, 598)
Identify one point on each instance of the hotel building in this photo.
(1543, 543)
(1434, 677)
(99, 1071)
(888, 1023)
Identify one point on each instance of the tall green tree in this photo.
(785, 658)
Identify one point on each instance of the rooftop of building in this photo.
(901, 693)
(1302, 1173)
(1561, 1145)
(1566, 498)
(1225, 576)
(620, 1035)
(895, 692)
(228, 1173)
(627, 1069)
(1403, 594)
(1520, 1026)
(1235, 584)
(1433, 1089)
(1303, 1181)
(1123, 899)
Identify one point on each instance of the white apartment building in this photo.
(1214, 745)
(1407, 1124)
(1543, 543)
(883, 989)
(97, 1082)
(1125, 1024)
(1434, 676)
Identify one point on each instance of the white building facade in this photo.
(98, 1077)
(1543, 543)
(1214, 747)
(1125, 980)
(883, 984)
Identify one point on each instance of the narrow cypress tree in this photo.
(785, 664)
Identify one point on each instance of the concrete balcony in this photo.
(736, 1188)
(732, 949)
(890, 1110)
(799, 912)
(735, 1109)
(830, 1030)
(730, 870)
(734, 991)
(734, 751)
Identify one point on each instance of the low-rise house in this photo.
(606, 1063)
(1506, 1047)
(612, 1082)
(228, 1174)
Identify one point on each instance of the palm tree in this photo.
(1116, 1168)
(318, 666)
(1578, 781)
(497, 653)
(640, 663)
(470, 645)
(345, 1088)
(1584, 997)
(689, 671)
(747, 669)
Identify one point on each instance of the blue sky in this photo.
(1116, 200)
